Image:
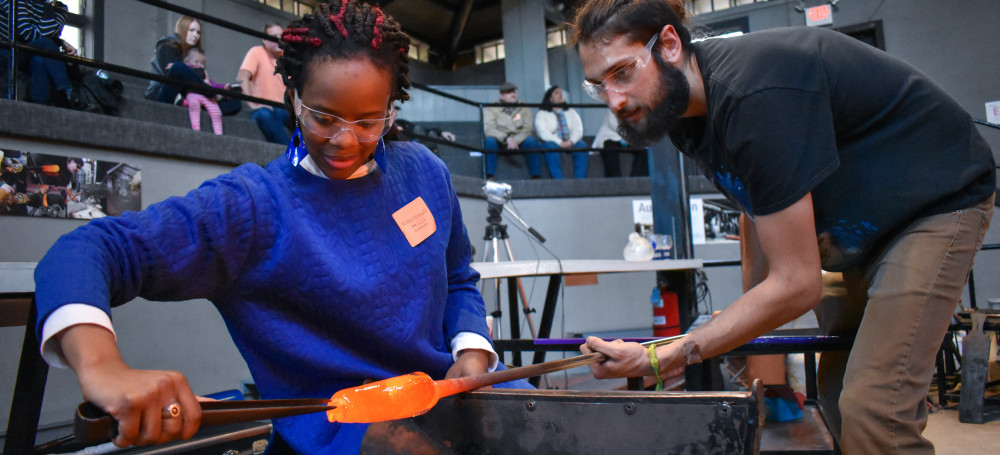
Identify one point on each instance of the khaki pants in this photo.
(898, 303)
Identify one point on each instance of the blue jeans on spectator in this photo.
(271, 122)
(46, 73)
(554, 160)
(533, 160)
(168, 93)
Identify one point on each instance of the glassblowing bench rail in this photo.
(556, 270)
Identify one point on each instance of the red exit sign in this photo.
(819, 15)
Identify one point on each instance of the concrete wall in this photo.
(132, 29)
(479, 84)
(945, 45)
(187, 336)
(574, 228)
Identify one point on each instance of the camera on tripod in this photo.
(496, 192)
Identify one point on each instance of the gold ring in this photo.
(171, 411)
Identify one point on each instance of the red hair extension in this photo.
(338, 20)
(377, 33)
(303, 39)
(299, 35)
(296, 31)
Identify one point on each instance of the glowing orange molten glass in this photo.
(399, 397)
(394, 398)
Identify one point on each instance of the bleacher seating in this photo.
(135, 106)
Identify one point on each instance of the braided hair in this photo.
(345, 30)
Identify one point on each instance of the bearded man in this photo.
(842, 158)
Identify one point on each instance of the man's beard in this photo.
(665, 115)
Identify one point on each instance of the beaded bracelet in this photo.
(655, 363)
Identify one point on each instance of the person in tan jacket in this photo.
(510, 128)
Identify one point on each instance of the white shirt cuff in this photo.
(63, 318)
(472, 340)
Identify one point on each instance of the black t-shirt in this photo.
(799, 110)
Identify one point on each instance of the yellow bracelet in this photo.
(655, 363)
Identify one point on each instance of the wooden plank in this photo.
(17, 283)
(17, 277)
(550, 267)
(14, 308)
(581, 279)
(975, 359)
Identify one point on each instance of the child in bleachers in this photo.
(195, 59)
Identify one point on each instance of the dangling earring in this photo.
(296, 150)
(380, 154)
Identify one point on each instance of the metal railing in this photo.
(16, 47)
(520, 151)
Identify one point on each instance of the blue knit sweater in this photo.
(316, 282)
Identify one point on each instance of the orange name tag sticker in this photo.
(416, 221)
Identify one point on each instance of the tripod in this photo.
(495, 232)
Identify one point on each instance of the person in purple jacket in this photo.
(344, 260)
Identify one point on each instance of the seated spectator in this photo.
(510, 128)
(257, 78)
(608, 139)
(39, 24)
(560, 127)
(195, 60)
(169, 61)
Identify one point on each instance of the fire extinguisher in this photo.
(666, 316)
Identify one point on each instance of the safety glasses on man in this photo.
(329, 126)
(623, 78)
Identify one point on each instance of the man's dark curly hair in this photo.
(599, 20)
(345, 30)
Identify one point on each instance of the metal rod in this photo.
(520, 289)
(984, 122)
(200, 88)
(210, 19)
(482, 139)
(12, 69)
(437, 92)
(538, 369)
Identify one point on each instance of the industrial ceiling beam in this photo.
(458, 23)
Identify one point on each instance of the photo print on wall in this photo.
(52, 186)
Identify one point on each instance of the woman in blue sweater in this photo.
(343, 261)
